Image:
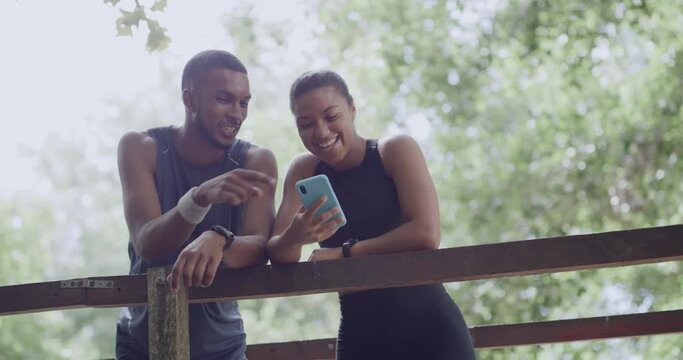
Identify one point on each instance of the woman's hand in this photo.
(307, 228)
(326, 254)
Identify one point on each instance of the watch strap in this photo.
(227, 234)
(346, 247)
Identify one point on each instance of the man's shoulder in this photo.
(136, 139)
(137, 145)
(149, 138)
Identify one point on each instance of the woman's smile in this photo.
(327, 144)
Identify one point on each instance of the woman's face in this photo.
(324, 118)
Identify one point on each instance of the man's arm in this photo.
(153, 235)
(198, 262)
(259, 214)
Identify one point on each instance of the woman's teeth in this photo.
(328, 143)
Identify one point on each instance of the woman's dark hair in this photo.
(312, 80)
(206, 61)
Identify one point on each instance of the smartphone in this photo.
(313, 188)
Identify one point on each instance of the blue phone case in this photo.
(313, 188)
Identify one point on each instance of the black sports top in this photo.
(411, 322)
(368, 197)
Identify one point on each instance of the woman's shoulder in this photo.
(302, 166)
(395, 149)
(396, 144)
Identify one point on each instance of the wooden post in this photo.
(169, 336)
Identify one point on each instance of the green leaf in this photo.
(112, 2)
(129, 19)
(157, 38)
(159, 5)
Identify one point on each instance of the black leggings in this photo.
(417, 322)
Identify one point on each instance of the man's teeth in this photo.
(230, 128)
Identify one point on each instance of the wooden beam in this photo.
(508, 335)
(320, 349)
(595, 328)
(30, 298)
(169, 334)
(567, 253)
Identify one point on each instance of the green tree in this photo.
(548, 118)
(544, 118)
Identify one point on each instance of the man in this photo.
(197, 198)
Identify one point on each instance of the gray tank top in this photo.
(216, 329)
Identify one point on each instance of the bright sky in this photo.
(61, 58)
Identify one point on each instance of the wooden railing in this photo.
(529, 257)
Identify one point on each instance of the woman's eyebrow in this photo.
(324, 111)
(330, 108)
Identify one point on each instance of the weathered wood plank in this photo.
(319, 349)
(568, 253)
(37, 297)
(46, 296)
(508, 335)
(132, 289)
(169, 334)
(605, 327)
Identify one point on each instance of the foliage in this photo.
(549, 118)
(157, 38)
(539, 118)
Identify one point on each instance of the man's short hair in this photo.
(208, 60)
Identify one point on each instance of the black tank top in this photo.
(368, 197)
(389, 323)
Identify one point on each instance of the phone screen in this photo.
(313, 188)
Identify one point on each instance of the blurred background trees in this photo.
(538, 119)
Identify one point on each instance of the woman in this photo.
(390, 204)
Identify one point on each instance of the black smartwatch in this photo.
(346, 247)
(227, 234)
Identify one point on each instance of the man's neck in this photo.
(194, 149)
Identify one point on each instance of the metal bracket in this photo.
(86, 284)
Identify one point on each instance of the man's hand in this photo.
(234, 187)
(326, 254)
(198, 262)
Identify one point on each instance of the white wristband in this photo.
(190, 210)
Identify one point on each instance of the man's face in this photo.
(221, 101)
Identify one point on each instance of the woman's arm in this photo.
(405, 164)
(293, 226)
